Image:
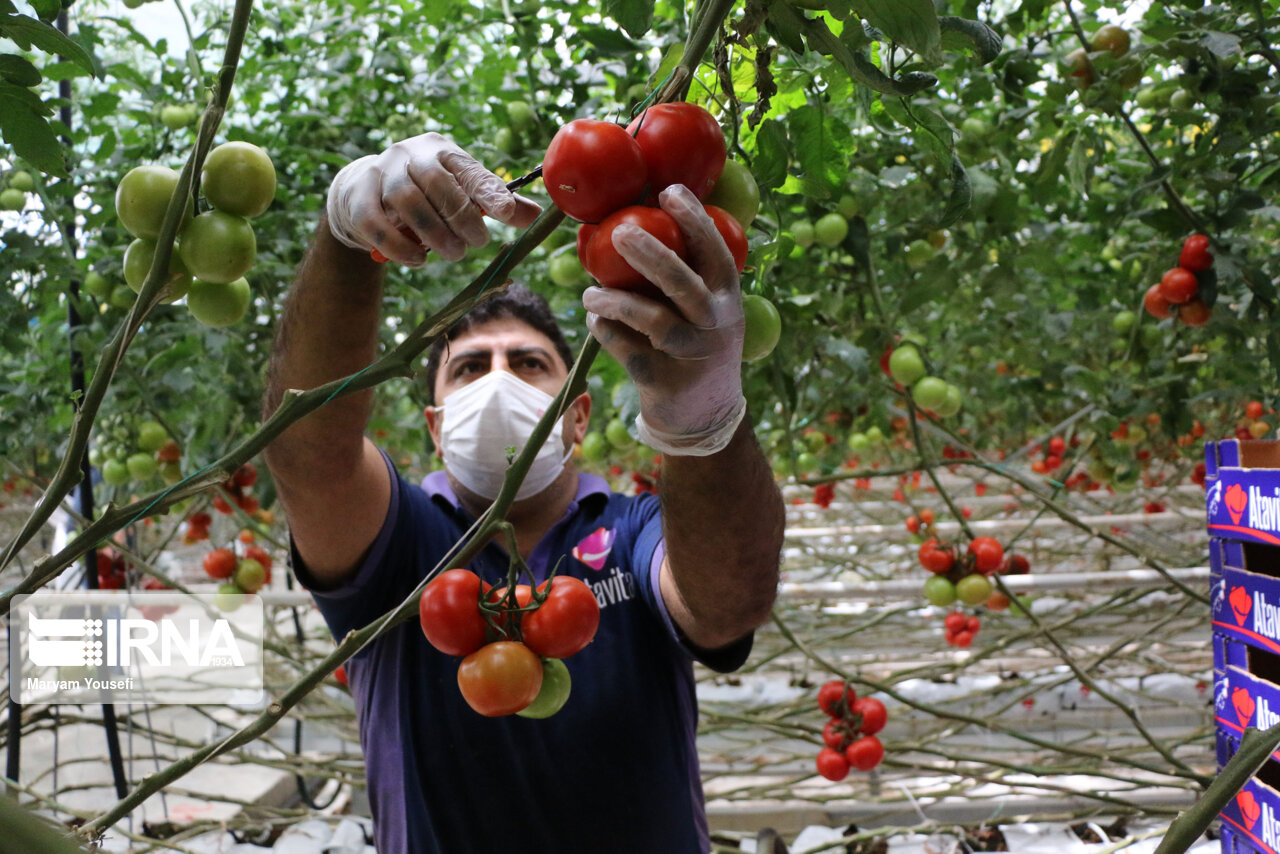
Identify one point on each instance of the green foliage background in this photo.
(1062, 206)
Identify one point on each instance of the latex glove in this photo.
(428, 184)
(685, 358)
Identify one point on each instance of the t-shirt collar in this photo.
(437, 487)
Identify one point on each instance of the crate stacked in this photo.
(1242, 503)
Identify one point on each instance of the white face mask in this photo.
(485, 418)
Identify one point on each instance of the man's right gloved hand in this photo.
(429, 185)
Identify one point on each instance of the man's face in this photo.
(507, 344)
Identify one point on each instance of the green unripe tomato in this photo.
(847, 206)
(929, 392)
(505, 140)
(142, 466)
(122, 296)
(554, 692)
(138, 259)
(973, 127)
(616, 433)
(228, 598)
(521, 115)
(763, 327)
(951, 404)
(874, 435)
(1123, 322)
(939, 591)
(115, 472)
(803, 234)
(151, 436)
(23, 181)
(906, 365)
(807, 463)
(831, 229)
(97, 285)
(858, 442)
(175, 117)
(973, 589)
(219, 304)
(1151, 335)
(566, 270)
(737, 193)
(1182, 100)
(595, 447)
(919, 253)
(12, 199)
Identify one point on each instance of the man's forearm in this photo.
(723, 518)
(328, 329)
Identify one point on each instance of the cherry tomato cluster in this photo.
(511, 642)
(960, 629)
(606, 176)
(1179, 288)
(112, 569)
(1252, 426)
(197, 528)
(236, 487)
(246, 573)
(849, 734)
(905, 365)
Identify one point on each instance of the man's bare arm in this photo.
(331, 480)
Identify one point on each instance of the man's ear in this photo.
(581, 409)
(433, 426)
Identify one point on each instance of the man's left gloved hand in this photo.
(684, 357)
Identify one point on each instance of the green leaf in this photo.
(608, 42)
(23, 126)
(961, 198)
(860, 68)
(670, 60)
(28, 31)
(785, 24)
(770, 165)
(913, 23)
(18, 71)
(1051, 167)
(47, 9)
(814, 136)
(964, 34)
(635, 16)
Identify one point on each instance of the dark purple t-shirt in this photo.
(616, 770)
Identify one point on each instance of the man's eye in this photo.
(465, 368)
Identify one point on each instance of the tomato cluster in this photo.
(248, 572)
(849, 734)
(214, 249)
(960, 629)
(1179, 288)
(511, 642)
(236, 488)
(1252, 426)
(606, 176)
(905, 365)
(965, 578)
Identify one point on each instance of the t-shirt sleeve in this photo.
(647, 552)
(412, 531)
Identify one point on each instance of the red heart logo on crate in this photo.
(1237, 499)
(1248, 808)
(1244, 704)
(1241, 604)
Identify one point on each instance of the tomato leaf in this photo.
(47, 9)
(23, 125)
(28, 31)
(813, 137)
(964, 34)
(608, 42)
(18, 71)
(913, 23)
(784, 24)
(961, 198)
(635, 16)
(770, 164)
(860, 68)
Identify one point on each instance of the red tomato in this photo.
(565, 622)
(593, 168)
(935, 559)
(246, 476)
(1194, 312)
(865, 753)
(1016, 565)
(449, 610)
(681, 144)
(340, 675)
(954, 621)
(731, 230)
(926, 516)
(500, 678)
(609, 268)
(874, 715)
(1057, 446)
(1253, 411)
(833, 694)
(220, 504)
(913, 524)
(835, 734)
(987, 553)
(1155, 302)
(247, 503)
(1195, 255)
(220, 563)
(1178, 285)
(832, 764)
(585, 231)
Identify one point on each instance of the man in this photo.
(687, 578)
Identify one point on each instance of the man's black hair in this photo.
(517, 302)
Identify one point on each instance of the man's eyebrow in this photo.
(516, 352)
(474, 353)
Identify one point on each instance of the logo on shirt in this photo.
(595, 547)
